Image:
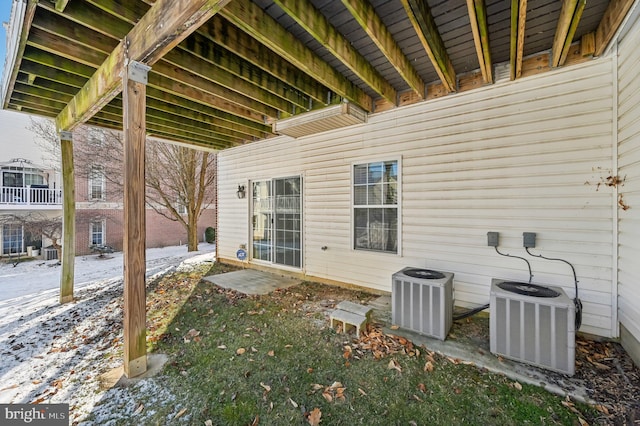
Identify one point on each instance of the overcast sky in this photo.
(15, 140)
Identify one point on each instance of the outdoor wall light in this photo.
(241, 192)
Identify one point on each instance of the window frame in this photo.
(103, 232)
(93, 176)
(397, 206)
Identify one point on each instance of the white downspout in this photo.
(615, 325)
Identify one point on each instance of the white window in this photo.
(375, 206)
(96, 183)
(96, 233)
(33, 179)
(96, 136)
(181, 208)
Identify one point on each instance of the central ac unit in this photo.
(533, 324)
(422, 301)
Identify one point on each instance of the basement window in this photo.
(375, 206)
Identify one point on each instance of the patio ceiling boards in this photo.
(256, 62)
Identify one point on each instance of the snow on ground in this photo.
(54, 353)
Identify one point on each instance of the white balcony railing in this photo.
(30, 196)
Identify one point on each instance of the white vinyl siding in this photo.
(524, 156)
(629, 168)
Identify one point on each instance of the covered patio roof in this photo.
(223, 71)
(229, 69)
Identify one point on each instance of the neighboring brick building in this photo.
(99, 208)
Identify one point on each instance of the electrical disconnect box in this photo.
(492, 239)
(529, 239)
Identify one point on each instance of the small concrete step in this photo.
(356, 308)
(348, 319)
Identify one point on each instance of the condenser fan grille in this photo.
(425, 274)
(527, 289)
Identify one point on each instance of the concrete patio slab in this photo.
(251, 281)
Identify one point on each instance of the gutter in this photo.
(22, 12)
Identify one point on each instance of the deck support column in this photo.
(68, 218)
(134, 103)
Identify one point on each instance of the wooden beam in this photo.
(201, 47)
(572, 31)
(221, 32)
(68, 218)
(251, 19)
(135, 342)
(610, 22)
(224, 42)
(480, 29)
(369, 20)
(182, 59)
(588, 44)
(61, 4)
(185, 101)
(314, 22)
(425, 26)
(165, 25)
(570, 15)
(518, 23)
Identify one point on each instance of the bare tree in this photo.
(180, 181)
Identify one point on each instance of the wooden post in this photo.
(134, 103)
(68, 219)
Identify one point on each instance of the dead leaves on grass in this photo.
(331, 393)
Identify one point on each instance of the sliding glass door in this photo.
(277, 221)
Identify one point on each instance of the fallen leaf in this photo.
(602, 408)
(394, 327)
(222, 347)
(315, 387)
(314, 417)
(335, 385)
(428, 367)
(417, 398)
(253, 349)
(582, 421)
(363, 393)
(266, 387)
(271, 353)
(517, 386)
(288, 346)
(295, 404)
(327, 396)
(422, 387)
(180, 413)
(240, 351)
(256, 421)
(393, 365)
(139, 409)
(208, 423)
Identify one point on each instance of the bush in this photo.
(210, 235)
